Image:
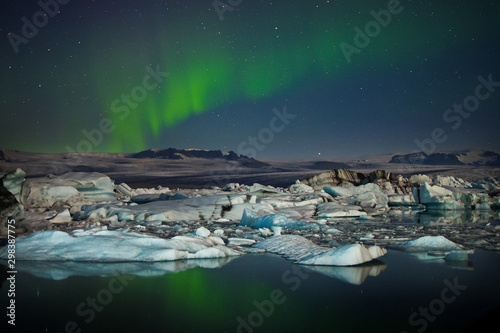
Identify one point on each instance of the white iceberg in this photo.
(298, 187)
(305, 252)
(435, 248)
(347, 255)
(436, 197)
(113, 246)
(369, 197)
(73, 188)
(430, 243)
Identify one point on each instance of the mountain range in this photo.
(469, 157)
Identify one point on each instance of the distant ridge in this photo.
(469, 157)
(182, 154)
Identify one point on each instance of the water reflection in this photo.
(212, 300)
(443, 217)
(436, 257)
(63, 270)
(352, 274)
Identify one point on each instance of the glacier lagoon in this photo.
(433, 291)
(255, 293)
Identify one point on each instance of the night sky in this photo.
(124, 76)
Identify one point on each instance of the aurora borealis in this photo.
(86, 69)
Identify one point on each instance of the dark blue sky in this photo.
(355, 77)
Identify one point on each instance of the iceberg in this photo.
(435, 247)
(298, 187)
(305, 252)
(369, 197)
(430, 243)
(254, 220)
(113, 246)
(73, 188)
(347, 255)
(436, 197)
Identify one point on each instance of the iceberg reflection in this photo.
(63, 270)
(353, 274)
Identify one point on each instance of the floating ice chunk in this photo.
(332, 209)
(219, 232)
(113, 246)
(369, 196)
(436, 197)
(305, 252)
(202, 232)
(264, 232)
(419, 179)
(298, 187)
(333, 231)
(254, 220)
(233, 241)
(347, 255)
(429, 243)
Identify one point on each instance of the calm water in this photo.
(255, 293)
